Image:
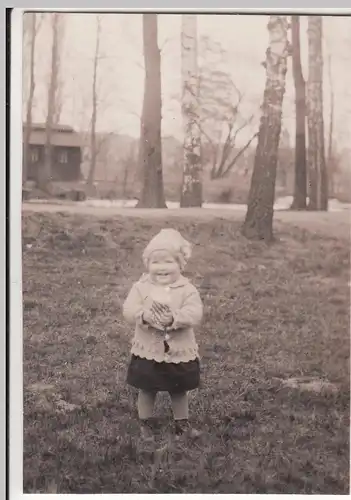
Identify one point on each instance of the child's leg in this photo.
(180, 406)
(146, 403)
(181, 415)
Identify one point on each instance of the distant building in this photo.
(66, 151)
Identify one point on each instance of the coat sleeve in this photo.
(133, 306)
(191, 312)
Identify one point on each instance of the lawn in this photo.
(272, 314)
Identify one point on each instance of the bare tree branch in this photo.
(237, 156)
(130, 111)
(215, 147)
(225, 151)
(167, 41)
(221, 103)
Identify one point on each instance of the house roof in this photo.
(62, 135)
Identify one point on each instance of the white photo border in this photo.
(15, 359)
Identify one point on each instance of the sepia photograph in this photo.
(186, 197)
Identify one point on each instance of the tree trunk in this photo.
(28, 128)
(125, 180)
(45, 178)
(316, 153)
(259, 217)
(152, 193)
(58, 105)
(59, 84)
(191, 194)
(330, 158)
(93, 145)
(300, 185)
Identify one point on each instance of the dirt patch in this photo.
(315, 385)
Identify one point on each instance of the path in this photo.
(335, 224)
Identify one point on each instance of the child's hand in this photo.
(159, 315)
(162, 313)
(148, 316)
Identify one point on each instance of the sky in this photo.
(121, 76)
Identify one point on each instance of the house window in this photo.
(34, 155)
(63, 157)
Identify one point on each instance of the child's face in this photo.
(163, 267)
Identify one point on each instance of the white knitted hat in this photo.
(171, 241)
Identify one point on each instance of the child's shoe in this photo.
(183, 428)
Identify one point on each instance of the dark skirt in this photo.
(149, 375)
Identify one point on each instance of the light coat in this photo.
(187, 309)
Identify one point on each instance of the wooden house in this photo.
(66, 152)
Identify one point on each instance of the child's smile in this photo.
(163, 267)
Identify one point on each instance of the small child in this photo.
(164, 307)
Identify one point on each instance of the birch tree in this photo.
(300, 184)
(191, 195)
(318, 182)
(221, 118)
(150, 150)
(258, 222)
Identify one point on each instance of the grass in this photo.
(271, 314)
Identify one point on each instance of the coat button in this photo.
(167, 336)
